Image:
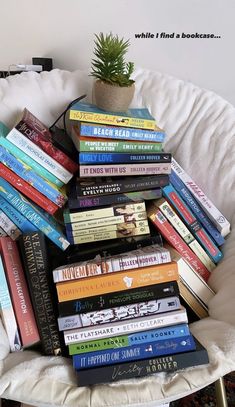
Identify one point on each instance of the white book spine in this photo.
(124, 169)
(7, 313)
(8, 226)
(32, 150)
(126, 261)
(2, 232)
(122, 328)
(217, 218)
(184, 232)
(121, 313)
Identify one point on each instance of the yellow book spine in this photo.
(114, 120)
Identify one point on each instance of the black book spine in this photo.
(35, 259)
(112, 247)
(111, 300)
(142, 368)
(121, 186)
(97, 201)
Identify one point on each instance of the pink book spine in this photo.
(19, 292)
(170, 234)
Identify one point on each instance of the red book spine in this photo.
(19, 292)
(46, 144)
(27, 190)
(170, 234)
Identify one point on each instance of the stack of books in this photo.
(128, 149)
(194, 230)
(121, 316)
(33, 171)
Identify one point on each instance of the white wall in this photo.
(64, 30)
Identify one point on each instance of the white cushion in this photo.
(200, 129)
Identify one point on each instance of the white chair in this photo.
(200, 129)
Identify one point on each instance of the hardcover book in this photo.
(86, 112)
(37, 269)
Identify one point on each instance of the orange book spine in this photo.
(120, 281)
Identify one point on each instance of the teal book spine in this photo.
(28, 175)
(30, 162)
(19, 220)
(44, 223)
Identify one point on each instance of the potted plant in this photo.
(113, 89)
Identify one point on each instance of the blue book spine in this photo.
(27, 174)
(107, 158)
(127, 354)
(193, 224)
(19, 220)
(174, 331)
(121, 133)
(198, 211)
(30, 162)
(44, 223)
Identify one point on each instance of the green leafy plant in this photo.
(109, 65)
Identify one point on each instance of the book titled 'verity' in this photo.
(37, 269)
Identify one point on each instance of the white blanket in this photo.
(200, 129)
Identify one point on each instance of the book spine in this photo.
(123, 280)
(33, 214)
(169, 233)
(196, 208)
(113, 146)
(127, 133)
(120, 298)
(27, 190)
(28, 147)
(217, 218)
(8, 226)
(183, 231)
(115, 158)
(41, 171)
(119, 313)
(121, 186)
(112, 119)
(153, 349)
(175, 331)
(129, 197)
(124, 228)
(194, 226)
(125, 169)
(19, 292)
(29, 176)
(7, 313)
(140, 368)
(120, 328)
(126, 261)
(19, 220)
(35, 260)
(116, 210)
(45, 144)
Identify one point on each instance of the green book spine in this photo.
(101, 344)
(119, 147)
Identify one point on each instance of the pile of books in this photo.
(121, 316)
(126, 147)
(33, 171)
